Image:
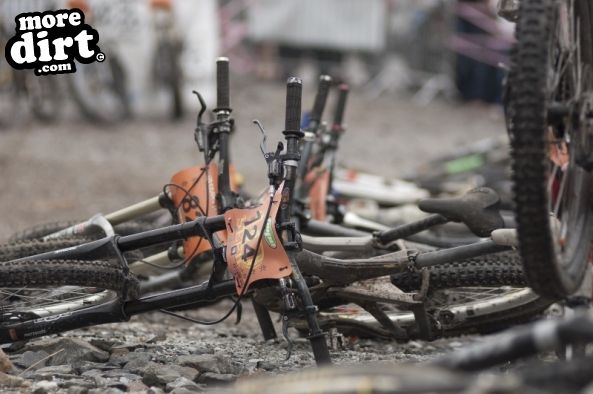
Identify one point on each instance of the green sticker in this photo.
(464, 164)
(269, 234)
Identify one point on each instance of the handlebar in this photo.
(197, 227)
(294, 88)
(320, 98)
(223, 101)
(343, 91)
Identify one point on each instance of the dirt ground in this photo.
(72, 170)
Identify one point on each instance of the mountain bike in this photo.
(549, 110)
(476, 285)
(261, 247)
(191, 192)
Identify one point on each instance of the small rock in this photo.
(183, 383)
(137, 387)
(158, 338)
(85, 366)
(86, 383)
(122, 375)
(109, 390)
(43, 387)
(207, 363)
(182, 390)
(117, 384)
(92, 373)
(203, 348)
(159, 375)
(78, 390)
(5, 364)
(139, 366)
(11, 381)
(119, 356)
(70, 350)
(134, 357)
(105, 344)
(214, 378)
(155, 390)
(29, 358)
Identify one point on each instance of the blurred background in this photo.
(425, 75)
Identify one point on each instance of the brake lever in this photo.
(262, 146)
(199, 135)
(202, 105)
(272, 158)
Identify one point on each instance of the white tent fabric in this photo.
(337, 24)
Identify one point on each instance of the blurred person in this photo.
(481, 45)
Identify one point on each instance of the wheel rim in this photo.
(450, 308)
(41, 302)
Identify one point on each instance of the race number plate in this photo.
(201, 185)
(244, 227)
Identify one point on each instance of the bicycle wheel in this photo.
(454, 311)
(100, 91)
(30, 290)
(19, 249)
(548, 115)
(103, 274)
(497, 269)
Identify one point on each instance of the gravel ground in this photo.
(73, 170)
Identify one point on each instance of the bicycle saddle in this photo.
(478, 209)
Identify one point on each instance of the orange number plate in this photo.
(244, 227)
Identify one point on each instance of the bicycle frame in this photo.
(332, 271)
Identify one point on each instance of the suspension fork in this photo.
(289, 234)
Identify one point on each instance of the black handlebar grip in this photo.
(294, 90)
(321, 98)
(340, 106)
(223, 100)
